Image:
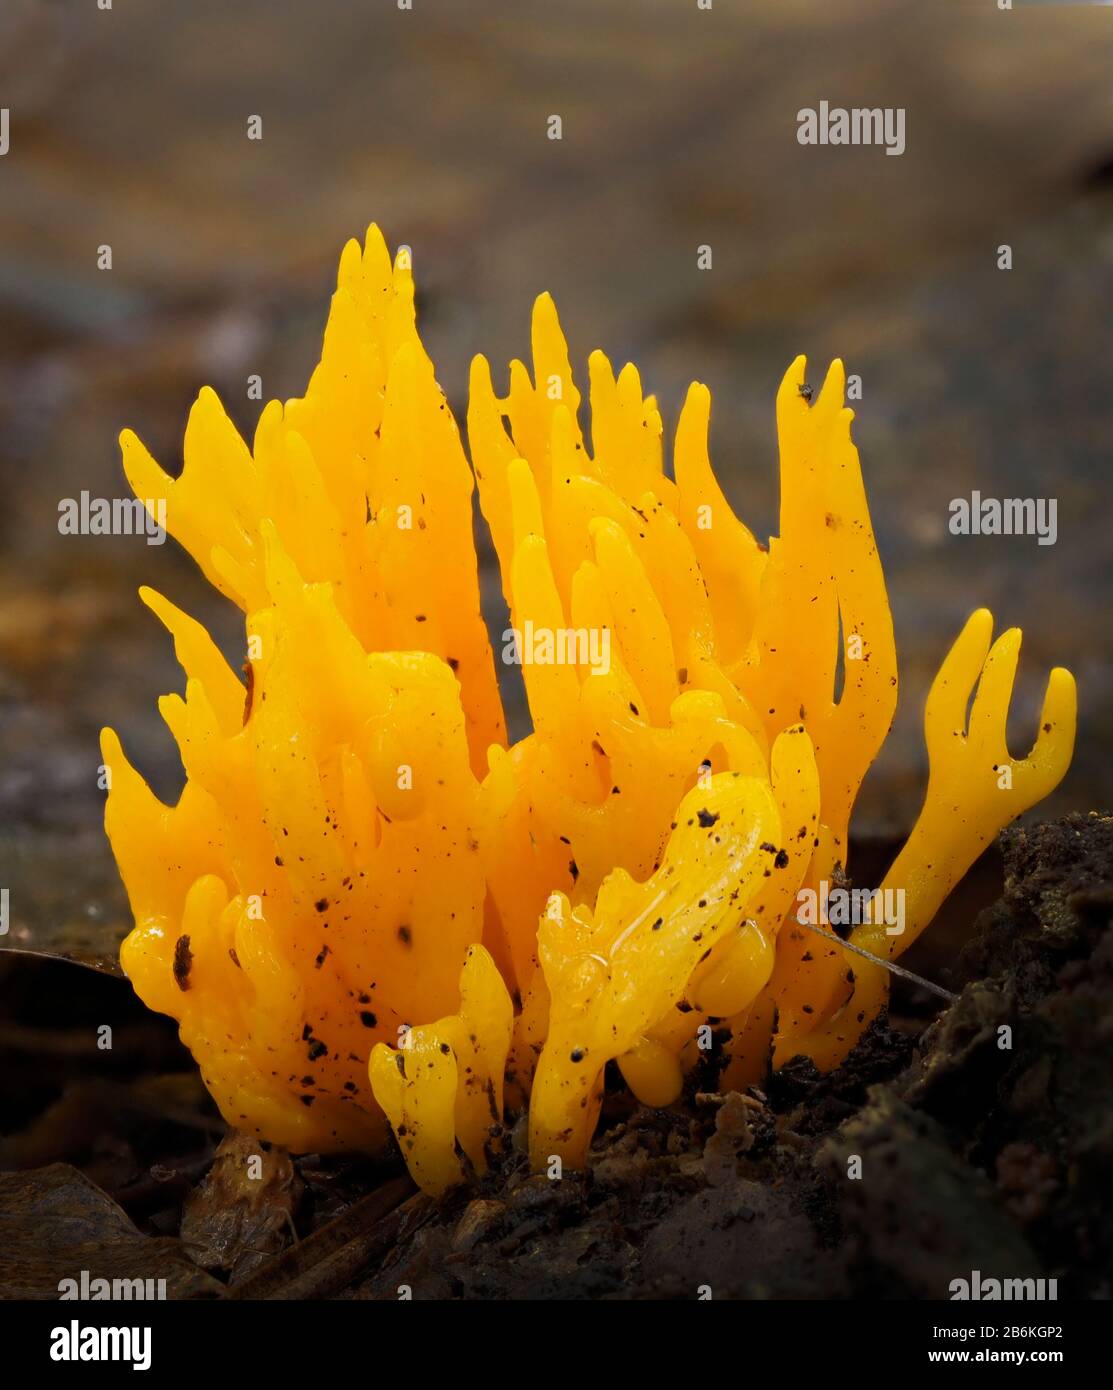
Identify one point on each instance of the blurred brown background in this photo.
(129, 127)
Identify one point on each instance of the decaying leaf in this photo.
(241, 1215)
(88, 1233)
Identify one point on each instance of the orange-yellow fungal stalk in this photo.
(357, 851)
(446, 1079)
(614, 973)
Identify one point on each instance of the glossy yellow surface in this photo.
(357, 851)
(446, 1079)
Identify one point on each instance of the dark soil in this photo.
(983, 1142)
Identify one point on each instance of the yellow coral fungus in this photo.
(357, 851)
(447, 1078)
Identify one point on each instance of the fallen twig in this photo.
(327, 1261)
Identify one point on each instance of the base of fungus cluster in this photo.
(974, 1157)
(998, 1154)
